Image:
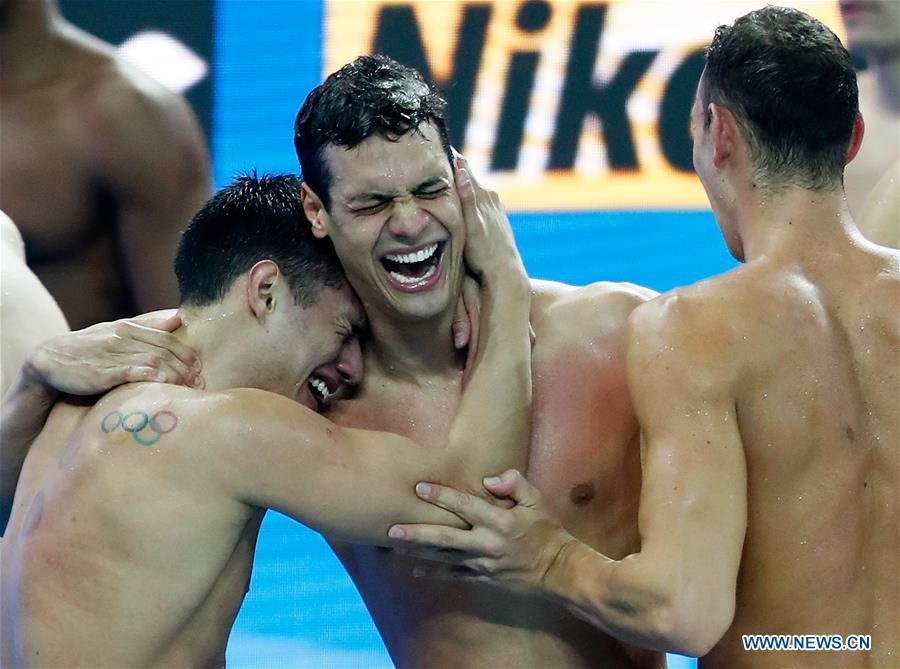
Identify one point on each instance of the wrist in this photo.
(34, 380)
(554, 573)
(576, 571)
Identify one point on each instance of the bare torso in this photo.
(817, 403)
(91, 156)
(100, 560)
(584, 457)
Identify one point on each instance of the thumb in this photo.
(164, 319)
(461, 327)
(512, 484)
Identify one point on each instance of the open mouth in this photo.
(320, 392)
(415, 270)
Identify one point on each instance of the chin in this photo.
(421, 308)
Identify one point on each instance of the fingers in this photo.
(467, 318)
(470, 508)
(174, 350)
(466, 190)
(514, 485)
(156, 348)
(460, 327)
(159, 337)
(93, 360)
(448, 544)
(471, 296)
(164, 319)
(157, 373)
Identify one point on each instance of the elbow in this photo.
(692, 624)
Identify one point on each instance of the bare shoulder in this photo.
(220, 431)
(226, 412)
(710, 333)
(134, 116)
(716, 303)
(598, 307)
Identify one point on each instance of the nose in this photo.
(350, 363)
(408, 220)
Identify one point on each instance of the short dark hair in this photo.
(373, 95)
(791, 86)
(253, 218)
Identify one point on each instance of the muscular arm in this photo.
(492, 427)
(354, 484)
(678, 592)
(153, 158)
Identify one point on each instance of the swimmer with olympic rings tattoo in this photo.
(170, 531)
(151, 423)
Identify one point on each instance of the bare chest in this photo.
(584, 451)
(48, 182)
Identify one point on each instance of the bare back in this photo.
(817, 404)
(100, 559)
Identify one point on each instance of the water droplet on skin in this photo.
(765, 395)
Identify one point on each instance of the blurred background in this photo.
(576, 112)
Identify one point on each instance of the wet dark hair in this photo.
(253, 218)
(373, 95)
(791, 86)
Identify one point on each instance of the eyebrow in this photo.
(375, 195)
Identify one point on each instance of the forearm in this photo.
(640, 599)
(23, 412)
(491, 430)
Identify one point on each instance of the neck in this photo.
(794, 222)
(211, 333)
(30, 34)
(412, 349)
(886, 68)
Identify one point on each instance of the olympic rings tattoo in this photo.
(145, 430)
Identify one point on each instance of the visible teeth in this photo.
(409, 280)
(418, 256)
(320, 386)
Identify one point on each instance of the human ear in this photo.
(262, 281)
(314, 210)
(856, 138)
(723, 132)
